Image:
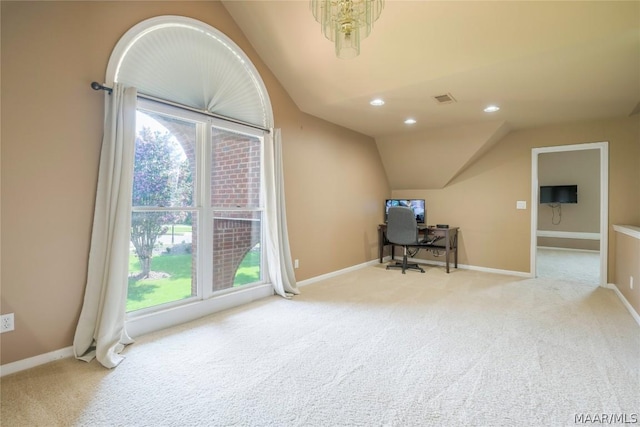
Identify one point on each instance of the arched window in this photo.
(191, 63)
(198, 205)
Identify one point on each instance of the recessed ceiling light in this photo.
(491, 109)
(377, 102)
(410, 121)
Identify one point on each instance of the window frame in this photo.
(202, 206)
(239, 63)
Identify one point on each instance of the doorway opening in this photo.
(602, 234)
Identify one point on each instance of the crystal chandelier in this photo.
(345, 22)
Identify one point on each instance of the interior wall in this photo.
(334, 180)
(51, 134)
(627, 270)
(581, 168)
(451, 148)
(482, 199)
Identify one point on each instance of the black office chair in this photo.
(402, 230)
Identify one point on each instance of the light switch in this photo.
(521, 204)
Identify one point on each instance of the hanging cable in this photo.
(553, 207)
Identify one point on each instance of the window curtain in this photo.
(101, 332)
(278, 253)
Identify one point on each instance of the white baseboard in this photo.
(32, 362)
(143, 325)
(336, 273)
(628, 306)
(146, 324)
(595, 251)
(568, 235)
(470, 267)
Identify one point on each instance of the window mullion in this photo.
(264, 265)
(205, 263)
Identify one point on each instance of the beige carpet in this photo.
(569, 265)
(367, 348)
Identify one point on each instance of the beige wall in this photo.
(334, 179)
(627, 268)
(581, 168)
(51, 134)
(482, 199)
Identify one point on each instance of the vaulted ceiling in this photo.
(541, 62)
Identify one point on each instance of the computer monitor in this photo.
(417, 205)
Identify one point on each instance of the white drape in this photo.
(276, 236)
(100, 332)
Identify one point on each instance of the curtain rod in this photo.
(98, 86)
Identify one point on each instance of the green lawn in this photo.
(149, 292)
(248, 270)
(178, 229)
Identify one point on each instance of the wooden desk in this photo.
(448, 241)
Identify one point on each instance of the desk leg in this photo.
(455, 248)
(447, 253)
(380, 244)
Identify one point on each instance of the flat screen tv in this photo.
(417, 205)
(559, 194)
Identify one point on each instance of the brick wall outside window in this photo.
(235, 183)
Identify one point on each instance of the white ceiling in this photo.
(542, 62)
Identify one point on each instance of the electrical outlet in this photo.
(6, 323)
(296, 264)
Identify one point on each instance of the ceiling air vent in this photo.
(447, 98)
